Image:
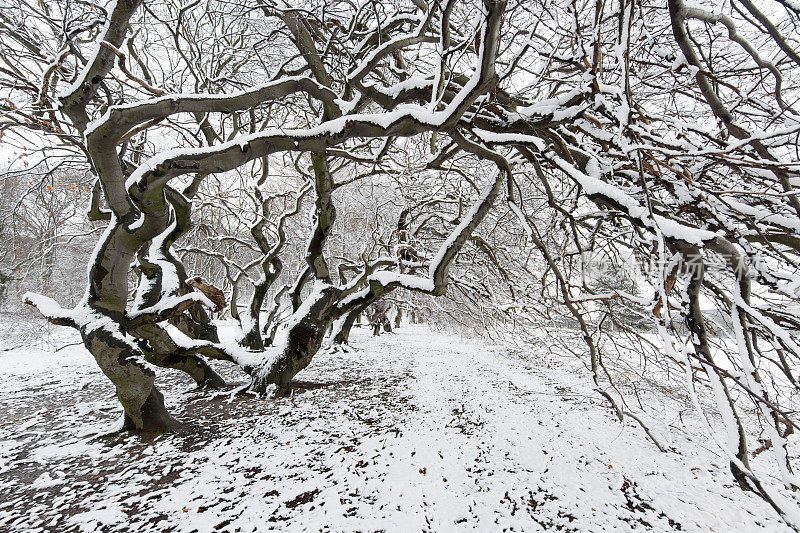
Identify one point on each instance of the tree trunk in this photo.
(271, 328)
(343, 325)
(142, 402)
(252, 337)
(120, 361)
(301, 341)
(271, 323)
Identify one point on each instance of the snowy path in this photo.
(414, 431)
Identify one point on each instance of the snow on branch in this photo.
(51, 310)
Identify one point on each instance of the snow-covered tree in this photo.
(351, 100)
(662, 134)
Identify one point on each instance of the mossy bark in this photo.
(142, 402)
(302, 341)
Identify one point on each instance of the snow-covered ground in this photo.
(413, 431)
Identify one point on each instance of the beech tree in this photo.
(147, 214)
(660, 134)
